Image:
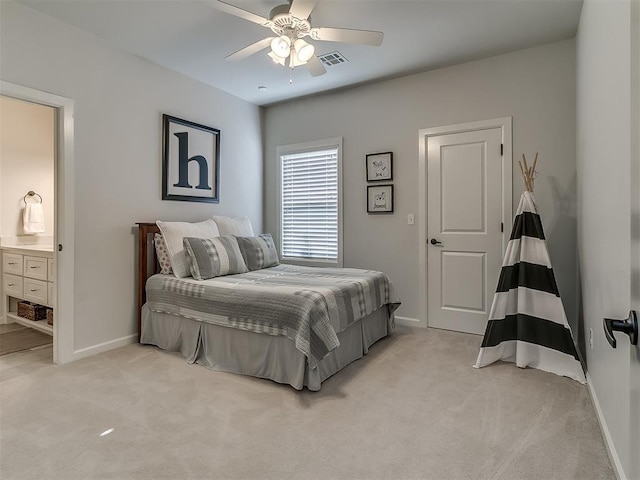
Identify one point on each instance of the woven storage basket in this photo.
(31, 311)
(50, 316)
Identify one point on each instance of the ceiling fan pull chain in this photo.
(290, 75)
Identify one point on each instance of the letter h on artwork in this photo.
(191, 161)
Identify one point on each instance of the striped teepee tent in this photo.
(527, 322)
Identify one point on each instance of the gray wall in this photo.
(535, 86)
(606, 149)
(119, 101)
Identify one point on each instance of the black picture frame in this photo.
(185, 142)
(379, 167)
(379, 199)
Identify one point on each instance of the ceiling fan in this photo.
(291, 23)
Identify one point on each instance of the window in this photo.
(310, 202)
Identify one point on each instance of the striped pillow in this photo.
(258, 252)
(213, 257)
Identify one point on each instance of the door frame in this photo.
(63, 212)
(505, 124)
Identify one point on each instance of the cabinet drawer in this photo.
(51, 272)
(51, 294)
(12, 263)
(12, 285)
(35, 267)
(35, 291)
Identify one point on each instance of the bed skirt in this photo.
(276, 358)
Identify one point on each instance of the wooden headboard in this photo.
(146, 266)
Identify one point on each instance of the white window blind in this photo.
(310, 204)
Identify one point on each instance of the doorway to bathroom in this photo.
(27, 200)
(36, 225)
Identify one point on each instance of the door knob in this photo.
(628, 326)
(435, 242)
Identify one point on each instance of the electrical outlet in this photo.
(411, 219)
(591, 337)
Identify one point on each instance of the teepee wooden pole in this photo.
(528, 172)
(532, 174)
(524, 174)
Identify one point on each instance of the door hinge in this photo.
(502, 149)
(502, 227)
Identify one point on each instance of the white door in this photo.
(464, 228)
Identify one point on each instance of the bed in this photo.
(293, 325)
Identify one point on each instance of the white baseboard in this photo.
(608, 441)
(409, 322)
(104, 347)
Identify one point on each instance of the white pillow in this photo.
(174, 232)
(240, 226)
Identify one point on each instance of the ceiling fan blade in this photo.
(346, 35)
(315, 67)
(239, 12)
(250, 50)
(302, 8)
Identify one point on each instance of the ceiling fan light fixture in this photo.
(294, 61)
(304, 51)
(291, 22)
(281, 46)
(277, 59)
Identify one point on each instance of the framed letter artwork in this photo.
(190, 161)
(380, 199)
(379, 167)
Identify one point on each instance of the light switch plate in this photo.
(411, 219)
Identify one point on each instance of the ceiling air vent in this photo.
(332, 59)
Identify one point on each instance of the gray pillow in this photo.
(213, 257)
(258, 252)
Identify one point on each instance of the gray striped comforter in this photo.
(305, 304)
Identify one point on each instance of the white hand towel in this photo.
(33, 219)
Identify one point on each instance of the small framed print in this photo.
(190, 161)
(380, 199)
(379, 167)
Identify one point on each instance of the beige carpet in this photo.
(22, 339)
(414, 408)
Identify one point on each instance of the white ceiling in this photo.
(193, 38)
